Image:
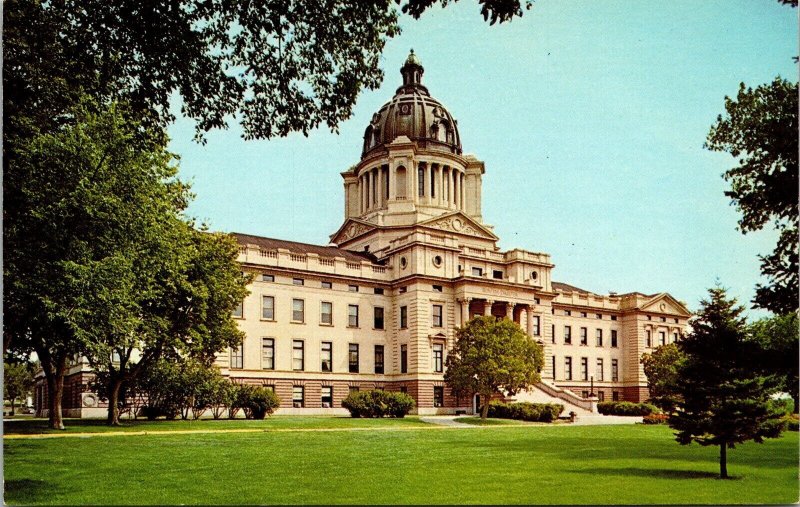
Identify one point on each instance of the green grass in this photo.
(530, 464)
(39, 426)
(477, 421)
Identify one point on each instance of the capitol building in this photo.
(412, 262)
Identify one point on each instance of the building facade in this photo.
(413, 261)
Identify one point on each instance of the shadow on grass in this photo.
(654, 473)
(27, 491)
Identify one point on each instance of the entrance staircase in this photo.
(546, 392)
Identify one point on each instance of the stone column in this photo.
(463, 193)
(529, 316)
(510, 310)
(464, 310)
(440, 185)
(392, 181)
(426, 184)
(487, 309)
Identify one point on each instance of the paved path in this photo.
(446, 420)
(597, 419)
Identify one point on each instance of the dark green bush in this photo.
(256, 402)
(524, 411)
(376, 403)
(782, 405)
(626, 408)
(792, 422)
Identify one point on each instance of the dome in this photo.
(412, 112)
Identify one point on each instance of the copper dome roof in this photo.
(412, 112)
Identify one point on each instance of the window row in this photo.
(299, 356)
(584, 336)
(585, 315)
(662, 338)
(599, 372)
(324, 284)
(326, 395)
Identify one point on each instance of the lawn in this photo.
(530, 464)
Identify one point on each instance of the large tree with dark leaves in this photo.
(722, 398)
(760, 130)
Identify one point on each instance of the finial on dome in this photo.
(412, 59)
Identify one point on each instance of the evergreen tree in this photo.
(722, 398)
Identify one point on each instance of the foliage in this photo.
(792, 422)
(760, 129)
(525, 411)
(626, 408)
(492, 354)
(377, 403)
(784, 406)
(255, 401)
(492, 10)
(778, 338)
(17, 381)
(661, 368)
(182, 387)
(655, 419)
(723, 399)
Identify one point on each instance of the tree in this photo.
(661, 368)
(722, 399)
(491, 355)
(17, 382)
(760, 129)
(778, 341)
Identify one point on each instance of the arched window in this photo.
(401, 182)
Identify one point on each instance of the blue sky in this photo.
(590, 117)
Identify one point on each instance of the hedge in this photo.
(524, 411)
(655, 419)
(626, 408)
(377, 403)
(256, 402)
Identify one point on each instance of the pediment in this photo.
(352, 228)
(664, 303)
(459, 223)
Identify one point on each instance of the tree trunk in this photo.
(485, 407)
(723, 460)
(55, 391)
(113, 402)
(12, 406)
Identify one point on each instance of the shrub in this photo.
(524, 411)
(792, 422)
(655, 419)
(626, 408)
(262, 402)
(781, 405)
(376, 403)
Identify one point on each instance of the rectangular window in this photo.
(403, 317)
(326, 313)
(298, 355)
(584, 368)
(421, 181)
(267, 278)
(567, 368)
(601, 396)
(326, 285)
(567, 313)
(614, 370)
(379, 290)
(238, 310)
(648, 339)
(477, 271)
(433, 182)
(438, 396)
(615, 395)
(352, 315)
(378, 358)
(237, 357)
(599, 337)
(298, 281)
(613, 317)
(553, 364)
(437, 288)
(614, 338)
(497, 274)
(298, 397)
(402, 290)
(584, 394)
(267, 307)
(662, 337)
(674, 337)
(353, 358)
(352, 288)
(584, 336)
(378, 320)
(536, 328)
(553, 333)
(598, 374)
(599, 315)
(567, 335)
(268, 353)
(326, 356)
(403, 389)
(437, 316)
(583, 314)
(403, 358)
(327, 397)
(438, 358)
(298, 310)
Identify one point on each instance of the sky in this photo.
(590, 117)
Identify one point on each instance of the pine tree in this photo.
(723, 398)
